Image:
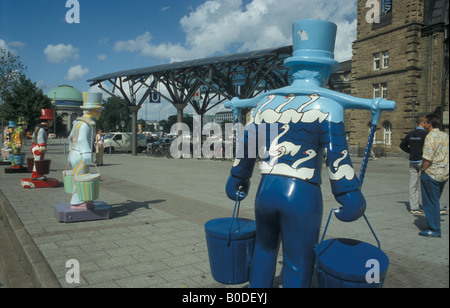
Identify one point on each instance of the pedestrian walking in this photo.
(99, 147)
(434, 174)
(413, 144)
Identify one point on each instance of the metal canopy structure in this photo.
(217, 79)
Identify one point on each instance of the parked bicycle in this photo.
(159, 148)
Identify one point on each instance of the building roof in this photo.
(238, 57)
(65, 93)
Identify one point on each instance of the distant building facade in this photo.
(340, 81)
(403, 58)
(67, 101)
(224, 116)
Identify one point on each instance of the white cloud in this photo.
(60, 53)
(76, 73)
(3, 44)
(17, 44)
(7, 46)
(227, 26)
(101, 57)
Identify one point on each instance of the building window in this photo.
(380, 60)
(387, 132)
(380, 90)
(384, 90)
(376, 90)
(386, 6)
(376, 61)
(385, 59)
(385, 14)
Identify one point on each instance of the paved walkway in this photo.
(156, 235)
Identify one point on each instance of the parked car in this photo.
(121, 142)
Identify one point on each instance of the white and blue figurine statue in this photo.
(80, 143)
(310, 124)
(84, 186)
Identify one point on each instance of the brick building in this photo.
(404, 58)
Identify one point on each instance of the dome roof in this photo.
(65, 93)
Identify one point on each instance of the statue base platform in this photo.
(64, 213)
(32, 183)
(20, 169)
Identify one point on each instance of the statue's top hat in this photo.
(92, 100)
(313, 44)
(12, 124)
(47, 114)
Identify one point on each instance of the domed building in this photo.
(67, 101)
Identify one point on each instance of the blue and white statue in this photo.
(310, 124)
(80, 143)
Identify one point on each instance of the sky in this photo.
(117, 35)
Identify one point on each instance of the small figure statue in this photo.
(309, 121)
(17, 144)
(39, 140)
(80, 143)
(7, 145)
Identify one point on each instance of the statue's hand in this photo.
(237, 186)
(86, 158)
(353, 206)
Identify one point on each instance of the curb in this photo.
(35, 265)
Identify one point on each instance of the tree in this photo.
(10, 71)
(114, 113)
(24, 99)
(143, 124)
(172, 120)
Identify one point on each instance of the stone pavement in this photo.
(156, 236)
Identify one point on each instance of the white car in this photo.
(121, 142)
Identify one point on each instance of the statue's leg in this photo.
(300, 227)
(293, 209)
(37, 157)
(266, 245)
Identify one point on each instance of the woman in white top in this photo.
(99, 147)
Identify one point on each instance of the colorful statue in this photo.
(18, 157)
(41, 166)
(7, 144)
(308, 121)
(80, 142)
(79, 182)
(39, 140)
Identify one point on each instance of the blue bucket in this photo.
(349, 263)
(230, 243)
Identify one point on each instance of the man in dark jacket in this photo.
(413, 144)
